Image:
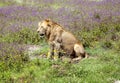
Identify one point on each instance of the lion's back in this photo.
(68, 37)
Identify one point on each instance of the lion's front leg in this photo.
(51, 51)
(54, 51)
(57, 50)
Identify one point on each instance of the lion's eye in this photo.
(49, 25)
(41, 26)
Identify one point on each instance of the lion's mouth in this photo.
(42, 35)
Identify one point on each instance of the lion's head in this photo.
(44, 27)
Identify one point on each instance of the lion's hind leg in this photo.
(79, 52)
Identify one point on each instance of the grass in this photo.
(1, 4)
(102, 66)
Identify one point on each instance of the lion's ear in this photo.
(47, 20)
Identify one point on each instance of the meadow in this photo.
(96, 23)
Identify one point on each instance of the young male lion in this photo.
(61, 40)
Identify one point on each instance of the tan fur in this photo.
(61, 40)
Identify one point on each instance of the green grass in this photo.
(1, 4)
(56, 6)
(103, 65)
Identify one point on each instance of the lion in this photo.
(60, 40)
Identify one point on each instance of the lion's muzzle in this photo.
(41, 34)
